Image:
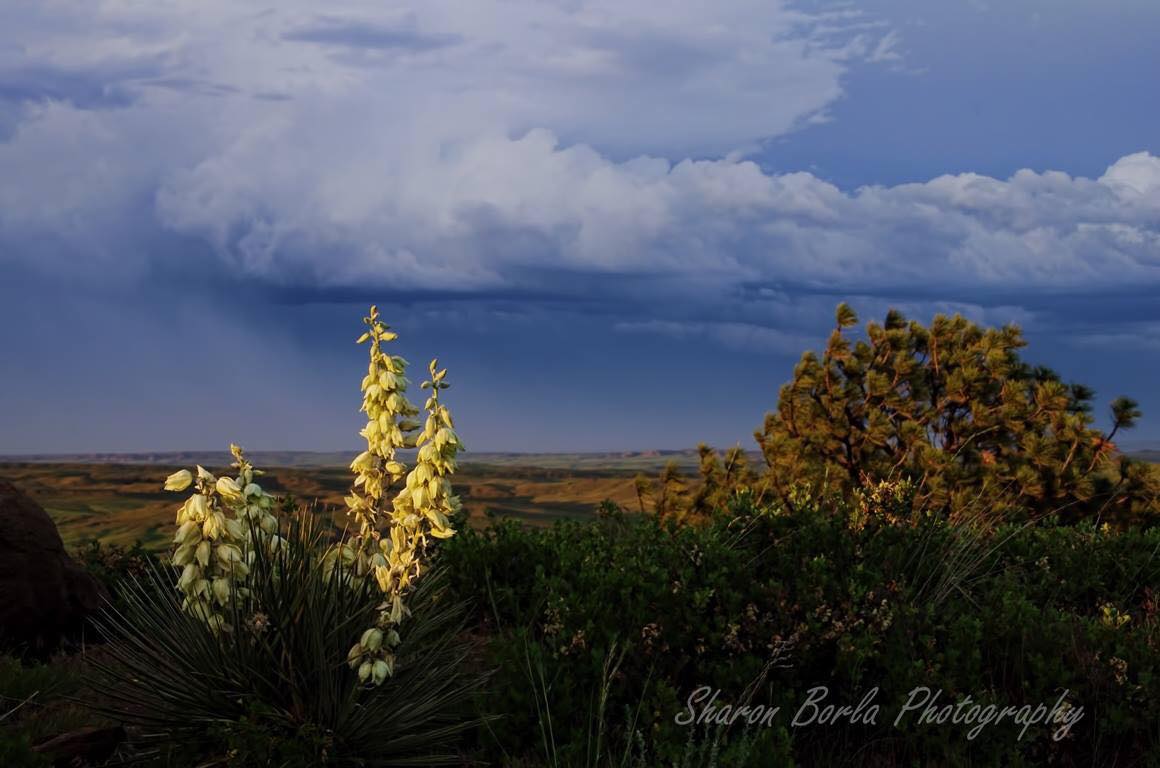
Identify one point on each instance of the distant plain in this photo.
(118, 498)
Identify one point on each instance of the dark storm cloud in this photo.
(192, 86)
(235, 180)
(353, 33)
(82, 89)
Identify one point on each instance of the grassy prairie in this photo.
(119, 503)
(639, 461)
(117, 498)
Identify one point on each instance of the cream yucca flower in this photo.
(419, 510)
(213, 544)
(217, 526)
(375, 469)
(179, 480)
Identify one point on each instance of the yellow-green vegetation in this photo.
(933, 513)
(227, 522)
(243, 661)
(421, 509)
(953, 410)
(220, 527)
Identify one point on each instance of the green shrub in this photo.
(1011, 616)
(116, 566)
(38, 700)
(15, 752)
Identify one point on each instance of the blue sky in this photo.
(618, 224)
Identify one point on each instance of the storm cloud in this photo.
(593, 162)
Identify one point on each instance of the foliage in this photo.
(227, 522)
(721, 480)
(420, 511)
(221, 528)
(115, 565)
(672, 500)
(883, 549)
(16, 752)
(25, 681)
(251, 659)
(36, 702)
(277, 687)
(847, 594)
(956, 409)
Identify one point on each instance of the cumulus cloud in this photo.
(476, 215)
(540, 148)
(250, 127)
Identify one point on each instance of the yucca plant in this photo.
(277, 689)
(247, 653)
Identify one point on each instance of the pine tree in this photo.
(955, 409)
(644, 489)
(672, 496)
(720, 480)
(712, 492)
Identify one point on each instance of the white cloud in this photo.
(627, 77)
(486, 145)
(485, 209)
(252, 126)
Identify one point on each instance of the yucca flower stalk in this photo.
(389, 427)
(274, 691)
(214, 542)
(248, 649)
(419, 511)
(214, 545)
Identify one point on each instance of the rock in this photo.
(45, 596)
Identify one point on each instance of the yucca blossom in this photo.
(423, 506)
(213, 544)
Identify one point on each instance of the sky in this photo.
(617, 224)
